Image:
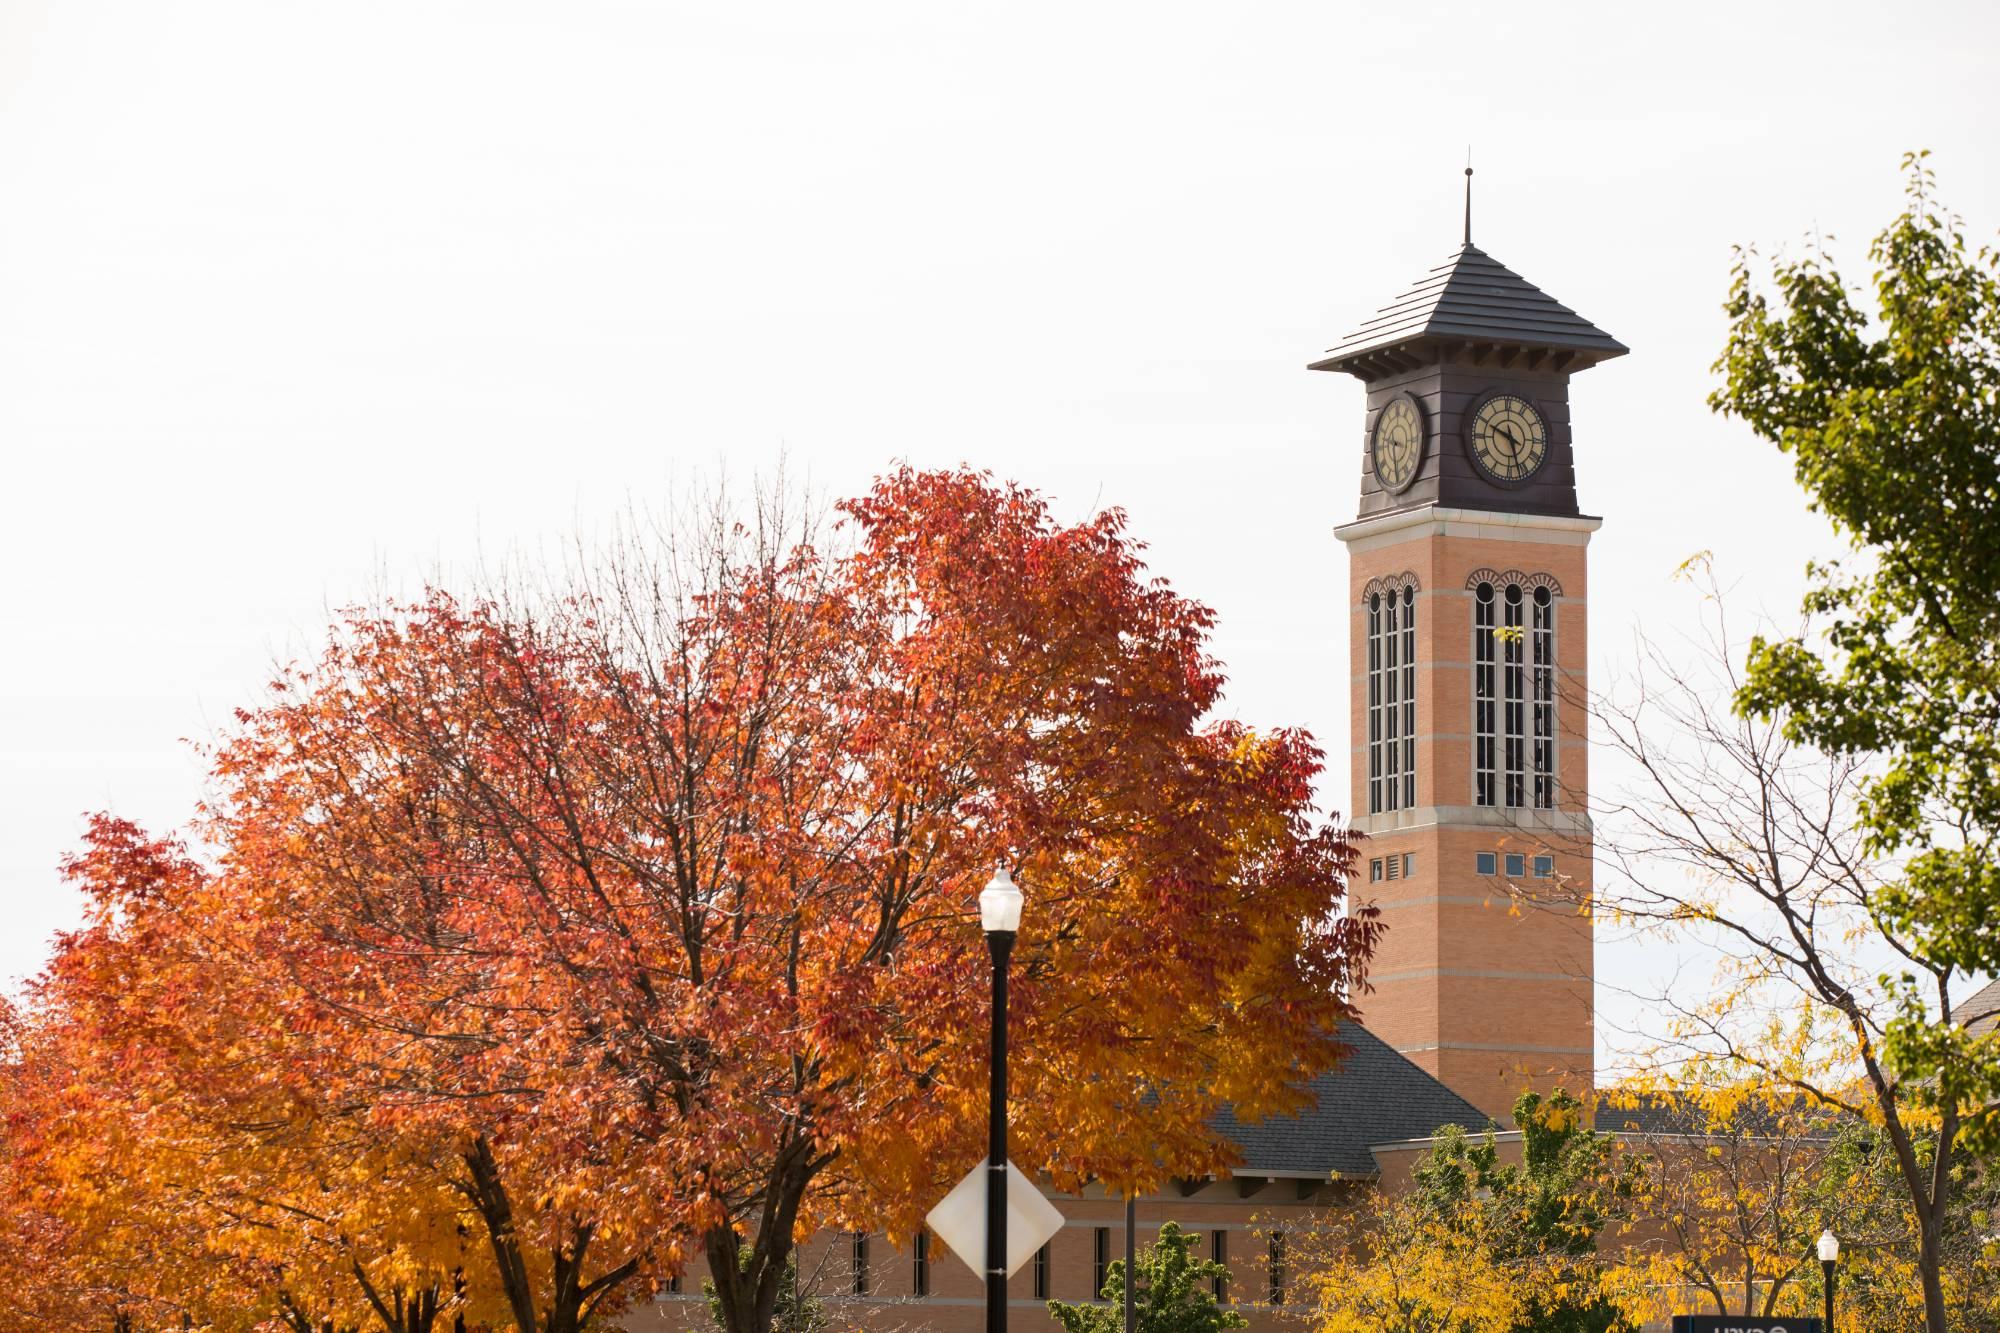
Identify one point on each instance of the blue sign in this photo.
(1733, 1323)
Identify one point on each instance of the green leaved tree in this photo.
(1890, 410)
(1542, 1216)
(1172, 1292)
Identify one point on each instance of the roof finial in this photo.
(1468, 194)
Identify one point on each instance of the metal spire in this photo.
(1468, 196)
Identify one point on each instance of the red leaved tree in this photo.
(637, 906)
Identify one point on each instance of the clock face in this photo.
(1398, 445)
(1507, 437)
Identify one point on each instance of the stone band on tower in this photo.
(1467, 597)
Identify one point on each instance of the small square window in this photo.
(1409, 863)
(1395, 867)
(1485, 863)
(1517, 864)
(1545, 867)
(1375, 870)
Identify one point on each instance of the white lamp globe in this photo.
(1829, 1247)
(1000, 904)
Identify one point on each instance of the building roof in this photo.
(1471, 299)
(1981, 1013)
(1650, 1114)
(1374, 1096)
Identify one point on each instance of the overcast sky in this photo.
(292, 294)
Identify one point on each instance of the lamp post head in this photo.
(1000, 904)
(1829, 1247)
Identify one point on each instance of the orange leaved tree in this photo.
(637, 905)
(682, 851)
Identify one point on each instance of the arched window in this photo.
(1543, 684)
(1392, 696)
(1513, 690)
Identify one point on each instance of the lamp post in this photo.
(1000, 917)
(1829, 1251)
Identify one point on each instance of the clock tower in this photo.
(1467, 597)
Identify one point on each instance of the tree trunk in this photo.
(1928, 1197)
(747, 1285)
(399, 1311)
(1930, 1263)
(572, 1300)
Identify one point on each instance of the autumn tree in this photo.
(1390, 1266)
(201, 1172)
(670, 862)
(1543, 1215)
(1173, 1291)
(1481, 1244)
(1736, 1182)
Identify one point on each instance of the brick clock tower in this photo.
(1467, 598)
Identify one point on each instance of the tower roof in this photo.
(1471, 301)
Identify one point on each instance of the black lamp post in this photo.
(1000, 917)
(1829, 1251)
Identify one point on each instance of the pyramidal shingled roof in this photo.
(1474, 299)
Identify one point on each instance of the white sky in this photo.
(293, 293)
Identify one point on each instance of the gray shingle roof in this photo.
(1474, 298)
(1651, 1114)
(1669, 1114)
(1981, 1013)
(1374, 1096)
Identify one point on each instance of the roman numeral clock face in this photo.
(1398, 443)
(1507, 438)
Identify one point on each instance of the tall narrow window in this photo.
(1218, 1252)
(858, 1260)
(1409, 696)
(1277, 1273)
(1375, 687)
(1544, 685)
(920, 1281)
(1101, 1265)
(1392, 699)
(1042, 1273)
(1513, 696)
(1512, 702)
(1484, 719)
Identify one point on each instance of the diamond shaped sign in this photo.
(960, 1221)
